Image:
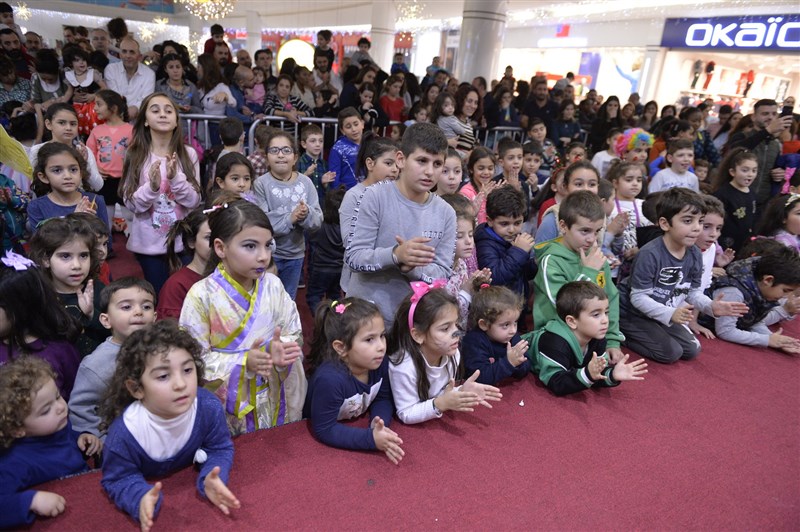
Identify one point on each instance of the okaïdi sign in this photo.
(769, 32)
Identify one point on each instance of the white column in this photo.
(382, 33)
(482, 28)
(253, 28)
(650, 76)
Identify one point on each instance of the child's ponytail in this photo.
(186, 230)
(338, 320)
(372, 146)
(115, 101)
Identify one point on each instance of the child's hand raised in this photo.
(155, 176)
(86, 299)
(218, 493)
(258, 360)
(86, 205)
(785, 343)
(48, 504)
(596, 366)
(310, 170)
(414, 251)
(387, 440)
(283, 353)
(683, 315)
(728, 308)
(792, 305)
(618, 224)
(328, 178)
(484, 392)
(594, 259)
(478, 278)
(147, 506)
(516, 354)
(725, 258)
(172, 166)
(629, 372)
(524, 241)
(89, 444)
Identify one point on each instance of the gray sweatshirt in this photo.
(94, 376)
(278, 199)
(383, 214)
(347, 213)
(758, 335)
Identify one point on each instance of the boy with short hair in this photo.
(401, 231)
(701, 170)
(259, 156)
(399, 64)
(344, 153)
(760, 283)
(362, 54)
(511, 158)
(575, 151)
(324, 38)
(126, 305)
(231, 133)
(537, 130)
(602, 159)
(217, 37)
(680, 154)
(311, 163)
(569, 354)
(501, 244)
(663, 288)
(576, 256)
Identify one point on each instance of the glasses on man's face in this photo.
(286, 150)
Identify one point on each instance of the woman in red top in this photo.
(391, 101)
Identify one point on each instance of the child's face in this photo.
(366, 96)
(582, 179)
(448, 107)
(608, 205)
(322, 42)
(395, 134)
(101, 247)
(129, 309)
(538, 132)
(465, 243)
(174, 70)
(506, 227)
(684, 228)
(422, 115)
(168, 385)
(441, 338)
(613, 142)
(79, 65)
(711, 229)
(69, 265)
(7, 18)
(451, 177)
(383, 167)
(629, 185)
(592, 322)
(504, 327)
(582, 235)
(773, 292)
(246, 255)
(363, 48)
(101, 109)
(313, 144)
(638, 154)
(368, 347)
(420, 171)
(701, 172)
(394, 89)
(576, 154)
(62, 173)
(483, 171)
(531, 163)
(258, 77)
(681, 160)
(744, 174)
(280, 163)
(202, 242)
(238, 179)
(353, 127)
(792, 222)
(64, 126)
(512, 161)
(160, 115)
(49, 412)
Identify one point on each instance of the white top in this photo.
(602, 161)
(95, 179)
(708, 266)
(160, 438)
(403, 378)
(336, 81)
(210, 107)
(667, 178)
(141, 84)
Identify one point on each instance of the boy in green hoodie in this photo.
(565, 352)
(576, 256)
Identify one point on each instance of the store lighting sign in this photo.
(772, 32)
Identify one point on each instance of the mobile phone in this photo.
(788, 110)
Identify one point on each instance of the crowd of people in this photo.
(424, 253)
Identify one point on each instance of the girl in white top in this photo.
(215, 95)
(426, 361)
(628, 179)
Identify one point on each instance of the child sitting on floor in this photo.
(569, 353)
(37, 440)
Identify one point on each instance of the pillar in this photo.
(253, 27)
(382, 33)
(650, 77)
(482, 28)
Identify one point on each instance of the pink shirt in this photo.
(469, 191)
(109, 144)
(155, 212)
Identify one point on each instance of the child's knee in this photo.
(691, 349)
(671, 352)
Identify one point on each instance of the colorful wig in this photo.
(630, 138)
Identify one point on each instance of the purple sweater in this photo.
(61, 355)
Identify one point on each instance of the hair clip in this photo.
(786, 185)
(485, 285)
(791, 199)
(420, 288)
(215, 207)
(18, 262)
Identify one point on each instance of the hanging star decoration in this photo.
(22, 11)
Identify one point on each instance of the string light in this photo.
(208, 9)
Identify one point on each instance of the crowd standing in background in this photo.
(585, 226)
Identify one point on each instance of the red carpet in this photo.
(708, 444)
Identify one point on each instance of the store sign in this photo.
(774, 32)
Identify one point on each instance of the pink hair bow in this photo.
(18, 262)
(420, 288)
(789, 173)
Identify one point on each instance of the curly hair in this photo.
(155, 340)
(19, 382)
(630, 138)
(491, 301)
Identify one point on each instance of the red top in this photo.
(170, 300)
(393, 108)
(543, 209)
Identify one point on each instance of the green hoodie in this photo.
(546, 367)
(558, 265)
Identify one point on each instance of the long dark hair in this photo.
(774, 217)
(51, 149)
(372, 146)
(212, 76)
(186, 230)
(115, 100)
(227, 221)
(401, 343)
(733, 159)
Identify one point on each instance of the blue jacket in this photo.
(511, 267)
(483, 353)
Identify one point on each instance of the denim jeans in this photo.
(289, 272)
(324, 283)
